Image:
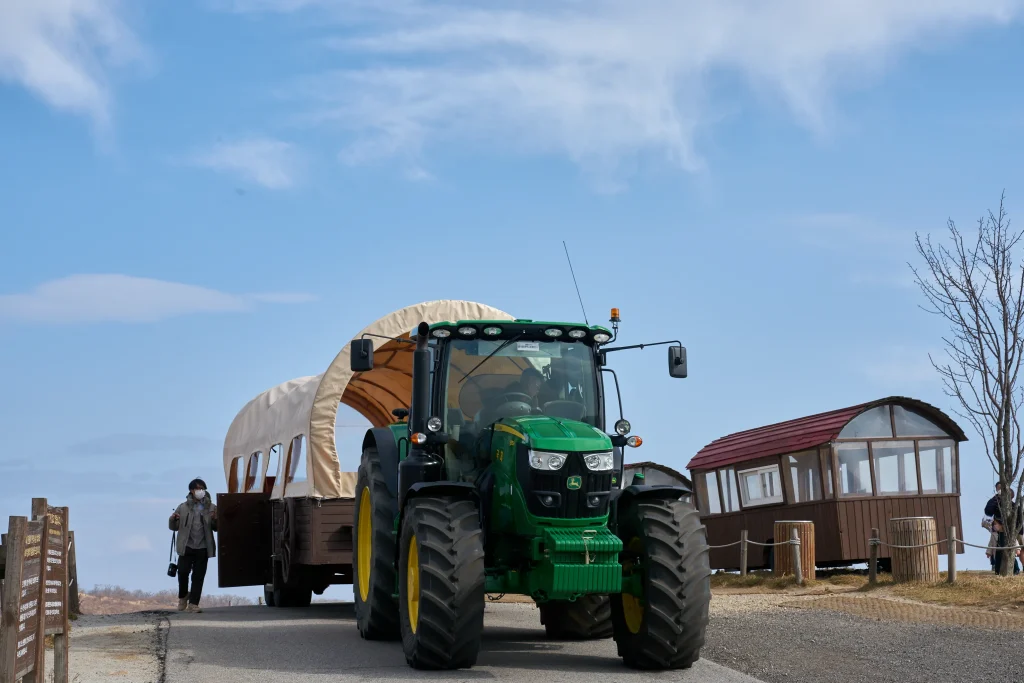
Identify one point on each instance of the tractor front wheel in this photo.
(373, 557)
(665, 546)
(588, 618)
(441, 583)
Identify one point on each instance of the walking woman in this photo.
(195, 520)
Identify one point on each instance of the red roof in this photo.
(802, 433)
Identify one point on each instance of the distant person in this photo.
(195, 520)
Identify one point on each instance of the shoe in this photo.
(182, 604)
(193, 608)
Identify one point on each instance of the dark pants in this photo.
(192, 562)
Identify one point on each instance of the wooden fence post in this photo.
(73, 605)
(743, 553)
(951, 548)
(12, 598)
(797, 569)
(873, 562)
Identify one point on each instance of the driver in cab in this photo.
(530, 383)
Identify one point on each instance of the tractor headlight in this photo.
(601, 337)
(599, 462)
(434, 424)
(540, 460)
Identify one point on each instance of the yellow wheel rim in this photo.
(412, 584)
(365, 543)
(633, 611)
(632, 608)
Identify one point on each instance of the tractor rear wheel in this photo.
(588, 618)
(373, 552)
(441, 583)
(666, 545)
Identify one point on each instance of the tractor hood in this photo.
(545, 433)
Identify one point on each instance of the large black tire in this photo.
(665, 542)
(588, 618)
(373, 590)
(441, 586)
(294, 594)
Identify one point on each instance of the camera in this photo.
(172, 569)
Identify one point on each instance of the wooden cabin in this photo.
(848, 471)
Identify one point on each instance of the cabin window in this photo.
(854, 469)
(826, 456)
(238, 474)
(761, 486)
(712, 502)
(252, 472)
(909, 423)
(730, 491)
(872, 424)
(273, 462)
(895, 467)
(805, 472)
(938, 474)
(297, 460)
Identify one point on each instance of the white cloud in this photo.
(61, 50)
(844, 230)
(274, 164)
(135, 543)
(605, 81)
(124, 298)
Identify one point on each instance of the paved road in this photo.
(321, 643)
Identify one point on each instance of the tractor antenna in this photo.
(574, 282)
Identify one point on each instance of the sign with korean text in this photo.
(30, 611)
(55, 589)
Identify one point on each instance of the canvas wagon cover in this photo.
(309, 405)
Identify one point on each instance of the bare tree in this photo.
(975, 284)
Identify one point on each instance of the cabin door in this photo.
(243, 539)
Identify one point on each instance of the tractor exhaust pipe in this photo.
(420, 407)
(421, 465)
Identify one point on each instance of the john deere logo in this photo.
(573, 483)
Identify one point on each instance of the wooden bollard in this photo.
(743, 553)
(784, 561)
(914, 564)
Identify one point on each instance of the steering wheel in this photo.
(516, 397)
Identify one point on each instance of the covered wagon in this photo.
(286, 522)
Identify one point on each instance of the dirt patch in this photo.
(883, 609)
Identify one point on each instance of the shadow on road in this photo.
(323, 638)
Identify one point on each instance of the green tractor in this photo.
(501, 478)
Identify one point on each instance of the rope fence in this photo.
(874, 543)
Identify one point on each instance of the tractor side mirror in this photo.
(677, 361)
(361, 357)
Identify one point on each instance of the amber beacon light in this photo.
(615, 316)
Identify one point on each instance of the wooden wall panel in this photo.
(842, 528)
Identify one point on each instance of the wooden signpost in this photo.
(34, 599)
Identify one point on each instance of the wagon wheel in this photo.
(286, 543)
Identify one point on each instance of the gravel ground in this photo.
(777, 644)
(122, 647)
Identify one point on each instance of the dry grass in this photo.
(764, 582)
(982, 590)
(972, 589)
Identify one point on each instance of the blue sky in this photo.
(200, 200)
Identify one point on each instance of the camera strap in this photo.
(171, 558)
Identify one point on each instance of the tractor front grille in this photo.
(567, 503)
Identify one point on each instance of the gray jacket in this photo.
(182, 525)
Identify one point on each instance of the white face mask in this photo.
(199, 494)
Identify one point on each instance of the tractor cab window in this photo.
(552, 378)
